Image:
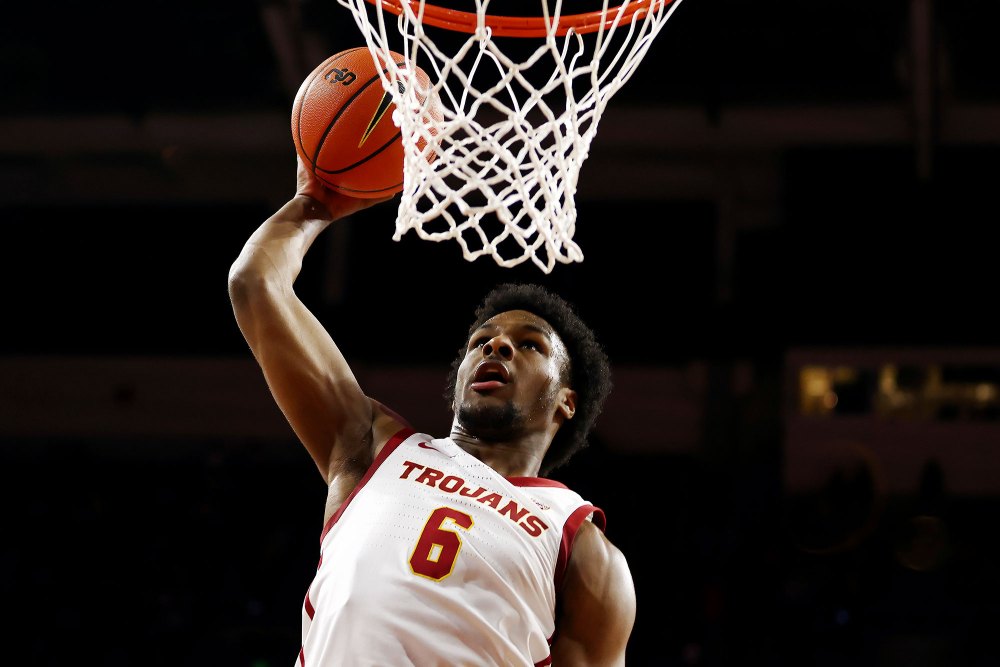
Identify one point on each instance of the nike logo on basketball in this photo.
(383, 106)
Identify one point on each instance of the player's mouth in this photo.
(489, 375)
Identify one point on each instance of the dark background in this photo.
(777, 180)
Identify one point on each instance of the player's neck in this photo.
(517, 458)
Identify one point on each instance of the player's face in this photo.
(510, 378)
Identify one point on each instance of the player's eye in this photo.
(531, 345)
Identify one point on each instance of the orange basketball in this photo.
(342, 125)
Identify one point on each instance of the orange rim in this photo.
(521, 26)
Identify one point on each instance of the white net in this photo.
(494, 150)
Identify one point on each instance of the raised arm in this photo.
(596, 609)
(308, 376)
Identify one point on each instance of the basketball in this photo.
(343, 129)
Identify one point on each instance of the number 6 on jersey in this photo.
(437, 548)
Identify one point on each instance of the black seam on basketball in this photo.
(305, 94)
(367, 157)
(343, 108)
(341, 188)
(298, 122)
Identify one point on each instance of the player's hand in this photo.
(337, 204)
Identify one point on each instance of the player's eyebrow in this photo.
(534, 328)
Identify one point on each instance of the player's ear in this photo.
(567, 403)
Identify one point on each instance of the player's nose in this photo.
(499, 346)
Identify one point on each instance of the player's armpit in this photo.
(596, 608)
(386, 423)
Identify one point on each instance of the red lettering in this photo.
(410, 466)
(429, 476)
(451, 484)
(513, 511)
(533, 525)
(493, 500)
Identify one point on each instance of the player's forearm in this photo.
(274, 252)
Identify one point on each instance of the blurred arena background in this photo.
(786, 219)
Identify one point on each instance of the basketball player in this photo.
(442, 551)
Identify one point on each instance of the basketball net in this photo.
(519, 101)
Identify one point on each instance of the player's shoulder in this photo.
(597, 561)
(599, 587)
(386, 425)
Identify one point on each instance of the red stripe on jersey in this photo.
(390, 446)
(570, 529)
(545, 662)
(308, 606)
(302, 656)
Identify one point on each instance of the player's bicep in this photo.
(596, 606)
(308, 376)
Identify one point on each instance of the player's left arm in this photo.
(596, 609)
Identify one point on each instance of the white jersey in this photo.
(437, 560)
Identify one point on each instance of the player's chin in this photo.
(478, 400)
(487, 415)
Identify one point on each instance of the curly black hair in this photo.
(589, 368)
